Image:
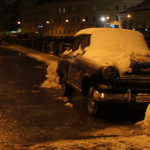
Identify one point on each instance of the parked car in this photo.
(109, 65)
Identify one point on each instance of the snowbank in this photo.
(52, 62)
(147, 120)
(52, 77)
(114, 47)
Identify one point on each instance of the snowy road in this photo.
(40, 118)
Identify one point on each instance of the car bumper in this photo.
(121, 98)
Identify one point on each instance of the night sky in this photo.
(10, 1)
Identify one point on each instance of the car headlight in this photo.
(109, 72)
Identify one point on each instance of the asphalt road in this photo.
(30, 114)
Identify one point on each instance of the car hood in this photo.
(140, 65)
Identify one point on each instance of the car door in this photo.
(75, 70)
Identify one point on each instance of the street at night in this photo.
(35, 118)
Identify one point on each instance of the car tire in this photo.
(67, 90)
(92, 104)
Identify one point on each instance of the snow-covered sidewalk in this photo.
(51, 60)
(110, 138)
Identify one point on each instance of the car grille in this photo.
(134, 84)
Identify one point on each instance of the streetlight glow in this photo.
(19, 22)
(108, 17)
(67, 20)
(47, 22)
(103, 19)
(128, 16)
(83, 20)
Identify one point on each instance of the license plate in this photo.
(143, 98)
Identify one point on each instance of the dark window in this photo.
(73, 19)
(78, 19)
(124, 7)
(101, 8)
(59, 20)
(117, 7)
(55, 20)
(60, 31)
(94, 18)
(77, 8)
(116, 18)
(86, 19)
(64, 32)
(109, 7)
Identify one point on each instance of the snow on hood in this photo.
(114, 47)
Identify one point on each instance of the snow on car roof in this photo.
(114, 47)
(109, 38)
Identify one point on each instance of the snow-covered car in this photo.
(109, 65)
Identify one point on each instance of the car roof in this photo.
(100, 30)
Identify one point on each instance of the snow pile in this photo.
(79, 51)
(114, 47)
(147, 120)
(52, 77)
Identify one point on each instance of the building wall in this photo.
(2, 14)
(51, 18)
(28, 17)
(138, 20)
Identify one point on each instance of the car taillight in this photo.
(109, 72)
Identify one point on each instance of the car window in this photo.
(85, 42)
(76, 44)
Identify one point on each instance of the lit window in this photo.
(51, 20)
(60, 31)
(94, 7)
(59, 10)
(64, 10)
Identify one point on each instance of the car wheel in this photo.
(92, 104)
(67, 90)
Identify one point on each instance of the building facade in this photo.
(63, 18)
(137, 18)
(2, 17)
(29, 17)
(12, 16)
